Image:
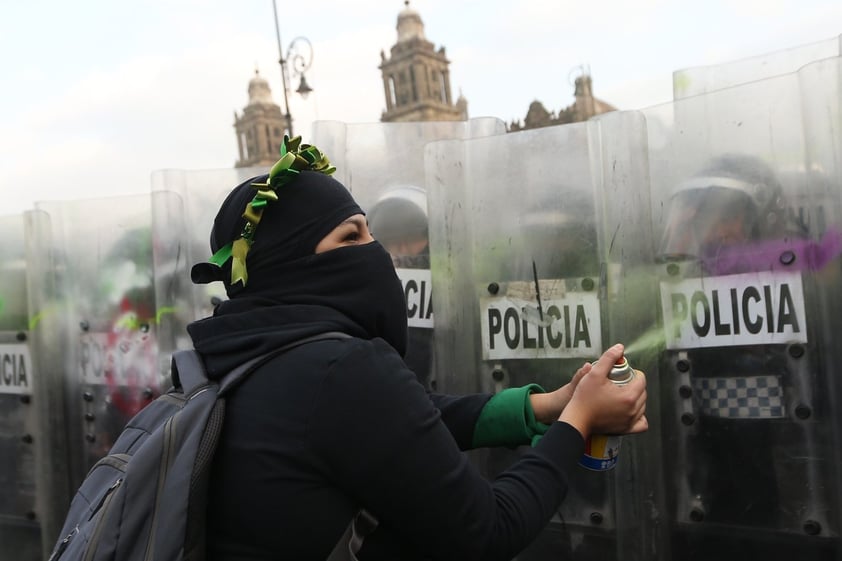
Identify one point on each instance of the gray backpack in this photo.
(146, 500)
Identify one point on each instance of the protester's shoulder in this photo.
(346, 353)
(356, 365)
(375, 354)
(371, 374)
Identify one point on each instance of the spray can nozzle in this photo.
(621, 373)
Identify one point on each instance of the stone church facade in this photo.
(416, 77)
(416, 85)
(583, 108)
(260, 128)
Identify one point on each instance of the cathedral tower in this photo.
(260, 129)
(416, 79)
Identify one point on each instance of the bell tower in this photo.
(260, 129)
(416, 78)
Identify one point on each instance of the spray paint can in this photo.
(602, 451)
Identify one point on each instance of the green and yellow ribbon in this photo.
(295, 158)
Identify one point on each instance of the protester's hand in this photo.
(548, 406)
(599, 406)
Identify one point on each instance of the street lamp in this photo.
(300, 57)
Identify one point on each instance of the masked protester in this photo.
(336, 425)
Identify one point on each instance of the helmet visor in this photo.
(701, 222)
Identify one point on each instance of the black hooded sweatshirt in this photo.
(333, 426)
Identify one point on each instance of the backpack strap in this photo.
(188, 370)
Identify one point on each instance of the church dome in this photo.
(259, 90)
(410, 25)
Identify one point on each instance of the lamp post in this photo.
(299, 57)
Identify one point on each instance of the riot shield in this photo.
(821, 180)
(184, 205)
(745, 199)
(107, 317)
(184, 218)
(382, 164)
(698, 80)
(370, 158)
(20, 429)
(33, 462)
(171, 268)
(541, 245)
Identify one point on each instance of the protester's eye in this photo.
(352, 236)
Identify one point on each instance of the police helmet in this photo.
(399, 215)
(734, 199)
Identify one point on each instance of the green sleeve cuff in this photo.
(508, 420)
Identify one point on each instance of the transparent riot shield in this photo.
(34, 487)
(821, 93)
(820, 83)
(382, 164)
(171, 268)
(745, 199)
(541, 245)
(105, 299)
(184, 205)
(372, 157)
(698, 80)
(20, 525)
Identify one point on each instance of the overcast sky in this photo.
(97, 94)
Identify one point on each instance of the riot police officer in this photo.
(398, 220)
(746, 448)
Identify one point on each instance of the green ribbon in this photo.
(220, 257)
(295, 158)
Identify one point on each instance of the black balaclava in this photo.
(358, 281)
